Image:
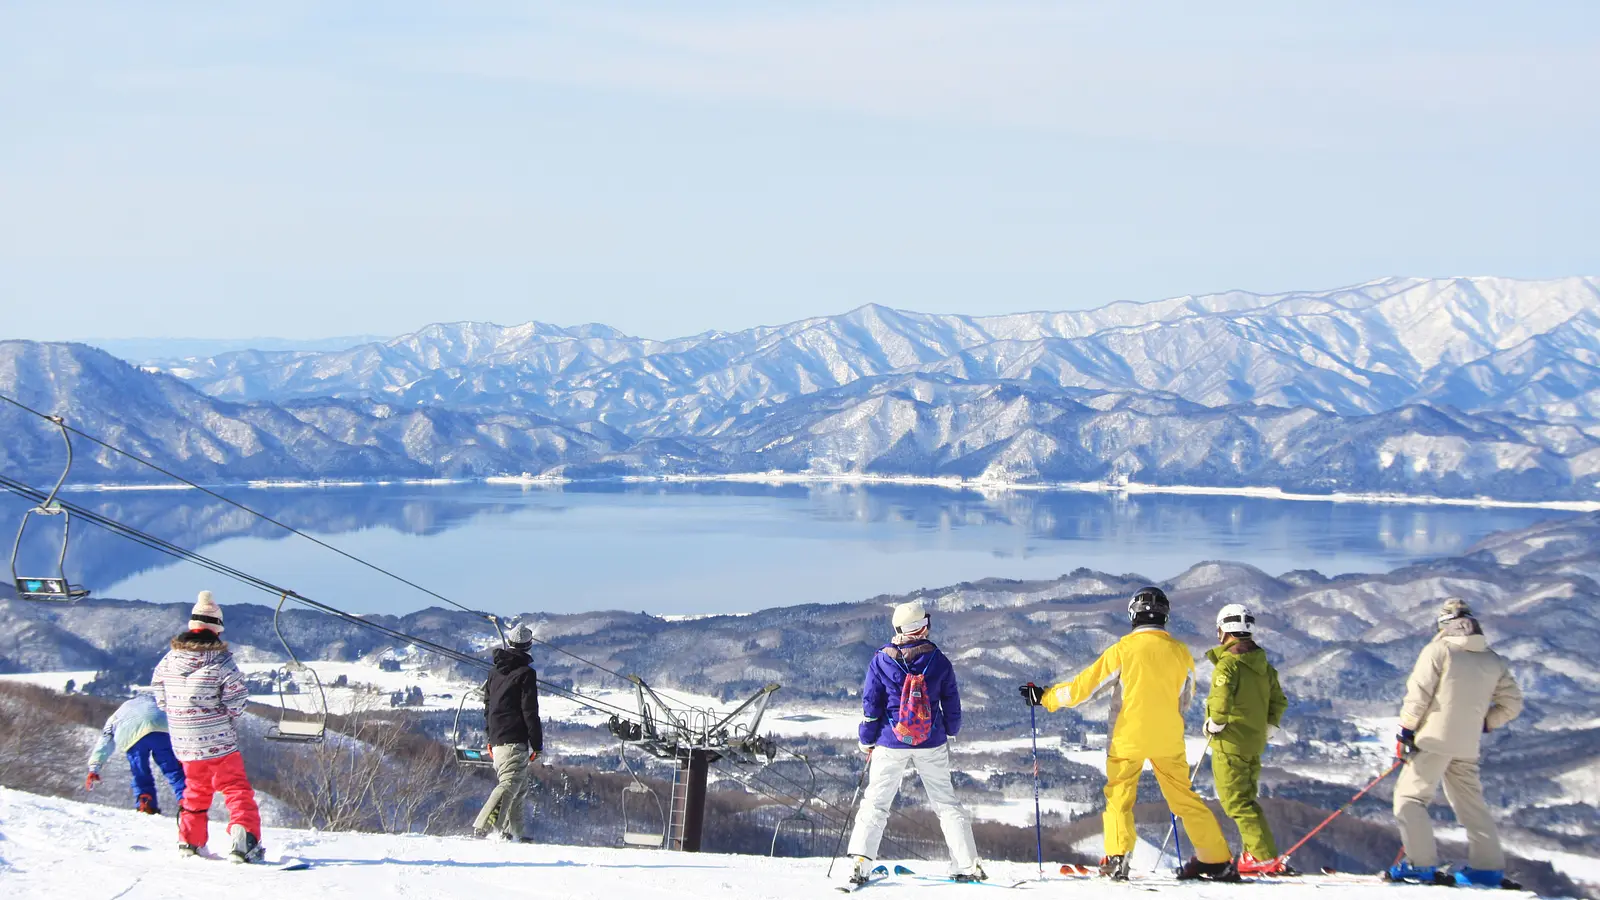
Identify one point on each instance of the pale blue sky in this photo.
(318, 168)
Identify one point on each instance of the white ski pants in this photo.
(884, 774)
(1419, 783)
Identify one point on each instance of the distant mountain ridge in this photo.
(1363, 349)
(1455, 387)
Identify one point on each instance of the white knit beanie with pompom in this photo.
(206, 614)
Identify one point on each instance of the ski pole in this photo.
(854, 799)
(1174, 832)
(1340, 811)
(1038, 825)
(1177, 839)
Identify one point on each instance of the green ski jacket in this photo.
(1245, 696)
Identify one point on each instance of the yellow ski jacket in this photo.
(1153, 676)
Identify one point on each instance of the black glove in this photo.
(1405, 743)
(1032, 694)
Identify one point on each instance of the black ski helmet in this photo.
(1148, 607)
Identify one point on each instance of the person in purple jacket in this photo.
(905, 728)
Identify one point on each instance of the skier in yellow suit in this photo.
(1153, 676)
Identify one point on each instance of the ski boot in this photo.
(1276, 867)
(977, 874)
(858, 875)
(1114, 867)
(246, 846)
(1470, 877)
(1406, 872)
(187, 850)
(1195, 870)
(147, 805)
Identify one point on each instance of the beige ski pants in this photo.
(1419, 782)
(503, 810)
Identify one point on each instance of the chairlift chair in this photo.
(295, 726)
(633, 805)
(54, 588)
(797, 820)
(470, 753)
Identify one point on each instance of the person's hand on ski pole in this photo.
(92, 779)
(1212, 727)
(1032, 694)
(866, 749)
(1405, 744)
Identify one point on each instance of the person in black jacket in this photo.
(516, 738)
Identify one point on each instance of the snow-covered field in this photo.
(59, 848)
(370, 687)
(55, 681)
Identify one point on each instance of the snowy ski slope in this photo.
(60, 848)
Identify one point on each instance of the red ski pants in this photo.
(205, 778)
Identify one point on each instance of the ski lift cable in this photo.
(290, 528)
(150, 541)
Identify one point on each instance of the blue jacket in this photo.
(880, 694)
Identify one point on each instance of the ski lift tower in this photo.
(694, 739)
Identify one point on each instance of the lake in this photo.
(717, 548)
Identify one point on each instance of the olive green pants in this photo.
(1238, 781)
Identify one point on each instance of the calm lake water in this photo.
(721, 548)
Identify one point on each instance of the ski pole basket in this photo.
(53, 588)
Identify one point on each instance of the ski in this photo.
(904, 872)
(878, 874)
(1071, 870)
(1382, 878)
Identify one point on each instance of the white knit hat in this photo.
(910, 618)
(206, 614)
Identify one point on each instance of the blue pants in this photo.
(156, 745)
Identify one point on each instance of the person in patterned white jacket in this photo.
(199, 687)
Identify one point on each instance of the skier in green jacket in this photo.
(1245, 700)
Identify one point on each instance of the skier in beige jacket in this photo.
(1458, 691)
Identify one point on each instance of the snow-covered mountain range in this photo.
(1457, 387)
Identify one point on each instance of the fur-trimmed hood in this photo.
(194, 650)
(198, 641)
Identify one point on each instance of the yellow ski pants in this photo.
(1172, 774)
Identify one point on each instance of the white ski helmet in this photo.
(1235, 618)
(910, 618)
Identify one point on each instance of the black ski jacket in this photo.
(511, 701)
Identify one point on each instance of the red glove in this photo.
(90, 781)
(489, 750)
(533, 755)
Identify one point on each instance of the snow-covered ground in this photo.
(55, 681)
(60, 848)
